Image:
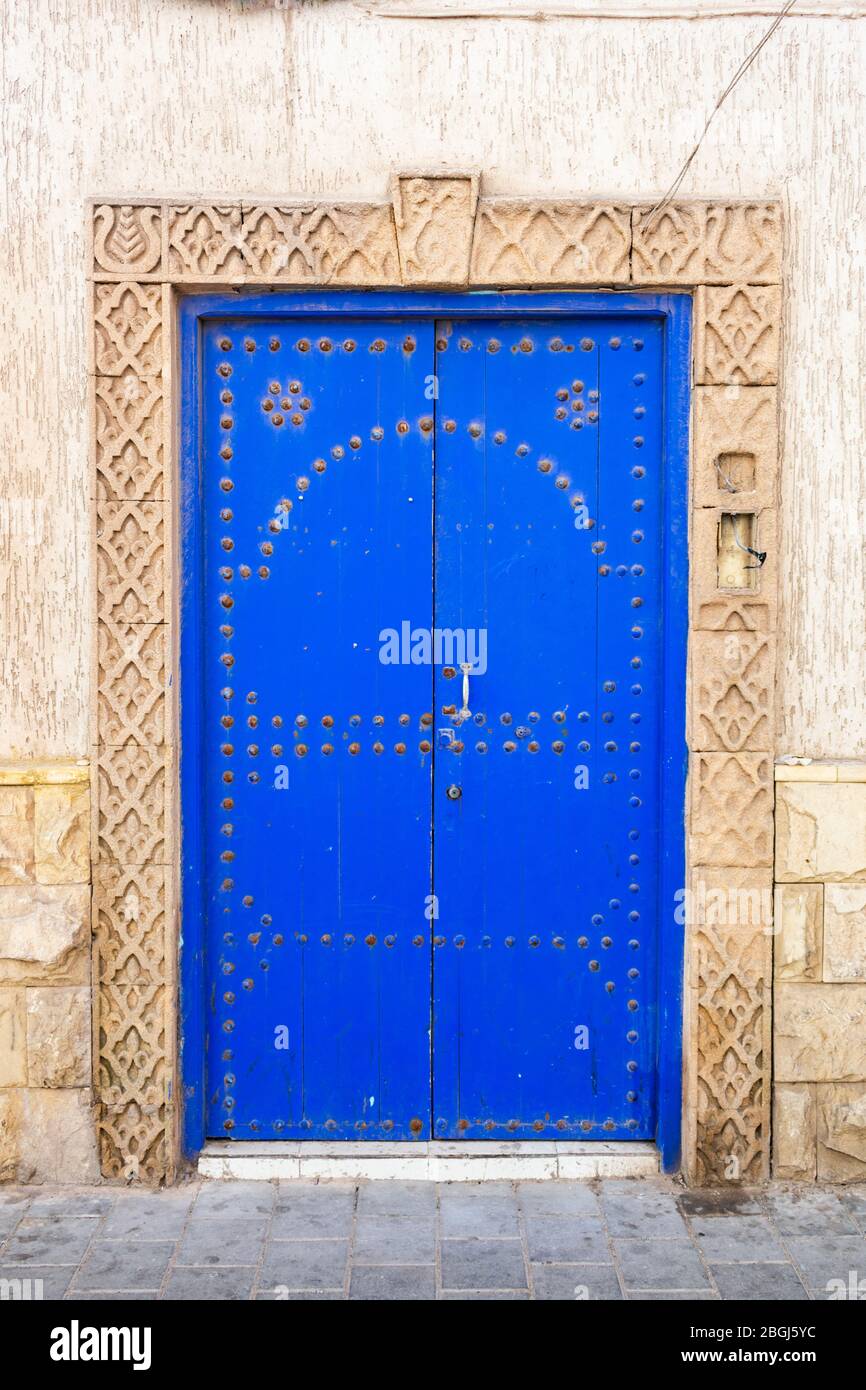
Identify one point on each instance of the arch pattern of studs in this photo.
(436, 232)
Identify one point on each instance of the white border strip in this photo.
(430, 1162)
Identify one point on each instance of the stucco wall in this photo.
(210, 96)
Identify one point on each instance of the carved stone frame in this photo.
(436, 232)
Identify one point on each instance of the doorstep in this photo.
(433, 1162)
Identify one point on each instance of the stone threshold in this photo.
(437, 1161)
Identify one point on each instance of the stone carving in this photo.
(129, 438)
(668, 248)
(127, 239)
(128, 329)
(135, 1052)
(130, 573)
(732, 809)
(743, 242)
(732, 691)
(132, 683)
(735, 446)
(733, 1053)
(343, 244)
(434, 218)
(527, 243)
(131, 805)
(737, 335)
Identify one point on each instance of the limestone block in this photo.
(732, 691)
(527, 242)
(842, 1133)
(16, 834)
(845, 933)
(737, 335)
(62, 834)
(47, 1136)
(13, 1038)
(799, 931)
(820, 832)
(435, 219)
(45, 933)
(820, 1032)
(736, 446)
(795, 1119)
(58, 1036)
(731, 809)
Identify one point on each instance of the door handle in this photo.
(454, 792)
(466, 667)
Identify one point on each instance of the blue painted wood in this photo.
(359, 1020)
(548, 537)
(317, 499)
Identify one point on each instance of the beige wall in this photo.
(119, 96)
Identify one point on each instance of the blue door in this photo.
(431, 657)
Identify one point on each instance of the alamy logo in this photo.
(434, 646)
(77, 1343)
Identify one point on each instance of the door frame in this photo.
(674, 308)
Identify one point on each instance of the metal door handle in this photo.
(466, 667)
(453, 792)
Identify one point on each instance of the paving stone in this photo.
(467, 1210)
(809, 1213)
(853, 1200)
(566, 1240)
(737, 1238)
(575, 1283)
(482, 1264)
(777, 1283)
(114, 1264)
(320, 1215)
(147, 1216)
(220, 1241)
(831, 1256)
(484, 1295)
(55, 1278)
(284, 1295)
(94, 1203)
(632, 1210)
(231, 1283)
(394, 1240)
(222, 1199)
(558, 1199)
(393, 1282)
(304, 1264)
(716, 1201)
(672, 1296)
(114, 1296)
(50, 1240)
(416, 1200)
(9, 1218)
(660, 1264)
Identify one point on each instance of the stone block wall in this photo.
(820, 973)
(47, 1130)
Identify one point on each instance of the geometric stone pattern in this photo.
(820, 1031)
(436, 231)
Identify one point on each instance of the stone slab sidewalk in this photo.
(608, 1239)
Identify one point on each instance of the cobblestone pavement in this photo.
(608, 1239)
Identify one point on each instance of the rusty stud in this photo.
(450, 426)
(354, 748)
(369, 940)
(399, 748)
(349, 345)
(355, 442)
(303, 345)
(544, 465)
(300, 750)
(277, 419)
(327, 749)
(377, 345)
(226, 484)
(249, 345)
(225, 344)
(338, 452)
(378, 748)
(303, 484)
(424, 746)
